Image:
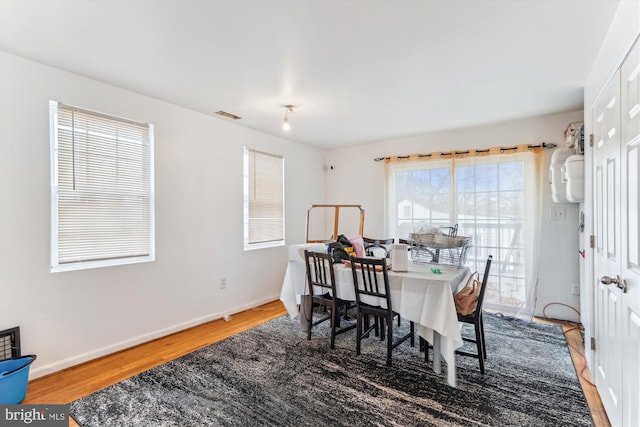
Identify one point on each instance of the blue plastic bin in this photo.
(14, 376)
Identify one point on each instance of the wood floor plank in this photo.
(78, 381)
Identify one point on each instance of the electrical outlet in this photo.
(223, 282)
(575, 289)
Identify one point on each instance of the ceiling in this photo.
(358, 71)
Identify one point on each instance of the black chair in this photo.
(475, 319)
(371, 284)
(377, 247)
(322, 292)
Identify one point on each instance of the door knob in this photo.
(622, 284)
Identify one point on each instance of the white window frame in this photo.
(85, 259)
(248, 245)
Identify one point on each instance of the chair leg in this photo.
(359, 331)
(335, 322)
(484, 343)
(389, 338)
(310, 326)
(413, 335)
(381, 320)
(479, 344)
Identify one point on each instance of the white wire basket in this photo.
(437, 248)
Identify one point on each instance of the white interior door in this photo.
(630, 224)
(608, 327)
(617, 261)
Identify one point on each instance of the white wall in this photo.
(69, 317)
(356, 178)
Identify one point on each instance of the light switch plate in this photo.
(557, 213)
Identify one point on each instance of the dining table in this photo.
(422, 294)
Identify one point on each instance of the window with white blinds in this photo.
(101, 189)
(263, 199)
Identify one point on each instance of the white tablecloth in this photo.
(295, 281)
(418, 295)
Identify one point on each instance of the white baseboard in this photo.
(40, 371)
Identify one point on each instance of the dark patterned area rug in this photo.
(271, 375)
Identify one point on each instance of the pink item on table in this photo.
(358, 245)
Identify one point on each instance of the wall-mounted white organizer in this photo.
(558, 185)
(573, 175)
(566, 172)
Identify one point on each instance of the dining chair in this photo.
(373, 298)
(377, 247)
(476, 320)
(322, 292)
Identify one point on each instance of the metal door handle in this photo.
(622, 284)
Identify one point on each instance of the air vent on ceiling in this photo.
(228, 115)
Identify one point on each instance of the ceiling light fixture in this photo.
(285, 122)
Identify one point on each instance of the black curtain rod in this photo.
(460, 153)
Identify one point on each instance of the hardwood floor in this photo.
(77, 381)
(575, 341)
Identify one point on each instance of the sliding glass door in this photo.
(493, 199)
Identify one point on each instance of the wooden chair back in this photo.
(371, 281)
(320, 273)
